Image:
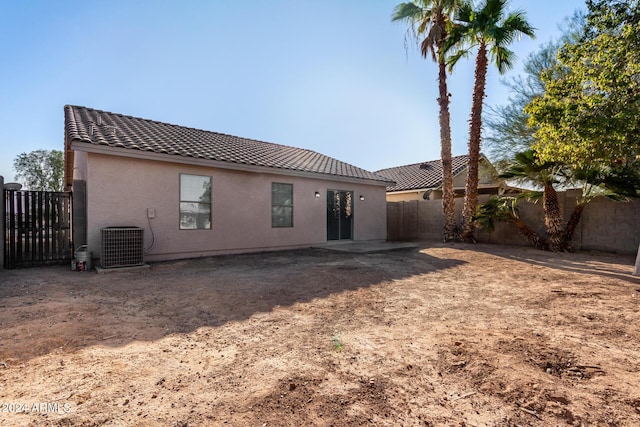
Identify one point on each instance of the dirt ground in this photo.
(443, 335)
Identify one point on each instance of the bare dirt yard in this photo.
(443, 335)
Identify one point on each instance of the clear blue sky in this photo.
(332, 76)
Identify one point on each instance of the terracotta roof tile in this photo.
(420, 175)
(89, 126)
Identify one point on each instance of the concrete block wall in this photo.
(605, 225)
(611, 226)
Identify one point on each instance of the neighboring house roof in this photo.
(94, 130)
(418, 176)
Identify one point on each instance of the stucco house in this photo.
(423, 181)
(198, 193)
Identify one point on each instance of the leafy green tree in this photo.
(506, 126)
(589, 110)
(598, 174)
(429, 22)
(491, 30)
(40, 170)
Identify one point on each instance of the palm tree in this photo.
(506, 209)
(618, 182)
(430, 19)
(491, 30)
(526, 167)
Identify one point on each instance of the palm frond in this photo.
(526, 167)
(533, 196)
(453, 59)
(496, 209)
(429, 43)
(425, 21)
(493, 10)
(428, 23)
(464, 13)
(408, 12)
(503, 58)
(488, 25)
(617, 181)
(516, 23)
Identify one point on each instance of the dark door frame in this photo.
(339, 214)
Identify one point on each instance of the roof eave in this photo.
(415, 190)
(82, 145)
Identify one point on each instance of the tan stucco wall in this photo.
(485, 176)
(120, 189)
(403, 197)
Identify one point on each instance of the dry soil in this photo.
(444, 335)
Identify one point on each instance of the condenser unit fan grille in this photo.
(122, 247)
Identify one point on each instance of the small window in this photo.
(281, 205)
(195, 202)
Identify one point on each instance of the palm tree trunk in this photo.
(534, 238)
(570, 229)
(475, 129)
(448, 197)
(552, 217)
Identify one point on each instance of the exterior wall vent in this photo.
(122, 247)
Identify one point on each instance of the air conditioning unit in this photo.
(122, 247)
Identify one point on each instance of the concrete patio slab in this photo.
(101, 270)
(365, 247)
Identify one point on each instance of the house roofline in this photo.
(81, 145)
(483, 160)
(439, 188)
(417, 190)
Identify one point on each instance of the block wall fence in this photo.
(605, 225)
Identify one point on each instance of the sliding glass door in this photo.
(339, 215)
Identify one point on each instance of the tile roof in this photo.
(102, 128)
(420, 175)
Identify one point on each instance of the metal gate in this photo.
(38, 228)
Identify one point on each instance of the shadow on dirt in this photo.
(617, 266)
(51, 308)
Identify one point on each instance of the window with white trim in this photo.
(195, 202)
